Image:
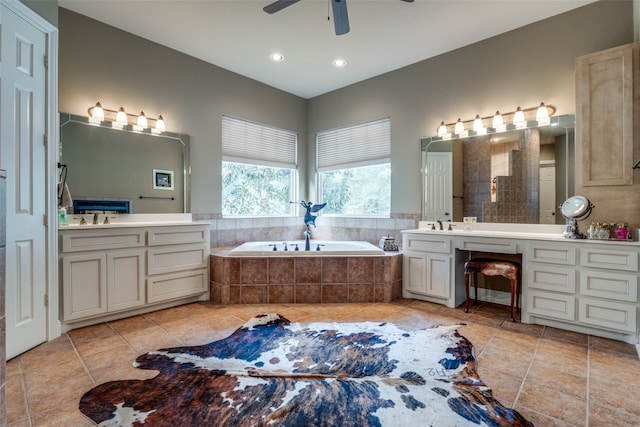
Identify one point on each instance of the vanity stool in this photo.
(493, 267)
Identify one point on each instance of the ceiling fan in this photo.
(340, 16)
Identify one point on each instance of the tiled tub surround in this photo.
(305, 279)
(230, 232)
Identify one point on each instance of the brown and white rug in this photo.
(272, 372)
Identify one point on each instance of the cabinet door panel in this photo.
(438, 276)
(176, 258)
(415, 272)
(608, 314)
(605, 99)
(604, 284)
(551, 278)
(84, 284)
(548, 304)
(552, 254)
(125, 279)
(178, 285)
(609, 259)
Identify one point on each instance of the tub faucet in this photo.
(307, 238)
(440, 224)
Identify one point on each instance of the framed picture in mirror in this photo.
(162, 179)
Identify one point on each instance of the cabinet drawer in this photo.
(498, 246)
(169, 259)
(86, 240)
(609, 259)
(426, 243)
(617, 316)
(177, 235)
(548, 304)
(178, 285)
(604, 284)
(551, 278)
(552, 254)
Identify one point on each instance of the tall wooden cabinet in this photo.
(607, 95)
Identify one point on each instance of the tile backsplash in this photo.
(226, 232)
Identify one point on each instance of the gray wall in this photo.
(523, 67)
(101, 63)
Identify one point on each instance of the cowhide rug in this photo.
(272, 372)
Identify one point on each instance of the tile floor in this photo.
(553, 377)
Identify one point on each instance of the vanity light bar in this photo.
(121, 119)
(499, 122)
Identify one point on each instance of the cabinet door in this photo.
(438, 276)
(605, 116)
(84, 286)
(125, 279)
(414, 275)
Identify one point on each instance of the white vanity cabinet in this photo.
(428, 268)
(584, 285)
(110, 272)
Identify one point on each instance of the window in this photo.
(258, 169)
(354, 169)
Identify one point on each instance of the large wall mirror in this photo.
(517, 176)
(149, 172)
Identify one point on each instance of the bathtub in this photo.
(318, 248)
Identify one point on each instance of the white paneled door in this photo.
(23, 155)
(438, 187)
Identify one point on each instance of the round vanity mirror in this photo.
(573, 209)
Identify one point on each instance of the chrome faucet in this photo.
(440, 224)
(307, 238)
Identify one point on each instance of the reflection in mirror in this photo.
(517, 176)
(109, 165)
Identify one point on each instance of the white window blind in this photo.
(247, 142)
(354, 146)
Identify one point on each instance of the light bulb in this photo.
(542, 115)
(98, 113)
(121, 118)
(498, 123)
(160, 124)
(518, 119)
(477, 124)
(442, 129)
(459, 127)
(142, 120)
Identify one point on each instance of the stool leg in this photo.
(466, 291)
(514, 288)
(475, 285)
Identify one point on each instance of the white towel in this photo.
(64, 197)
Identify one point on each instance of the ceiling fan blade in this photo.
(278, 5)
(340, 16)
(408, 1)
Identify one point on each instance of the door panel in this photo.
(23, 154)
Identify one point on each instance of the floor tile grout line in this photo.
(533, 357)
(84, 365)
(27, 407)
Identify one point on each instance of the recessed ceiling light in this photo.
(339, 63)
(276, 57)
